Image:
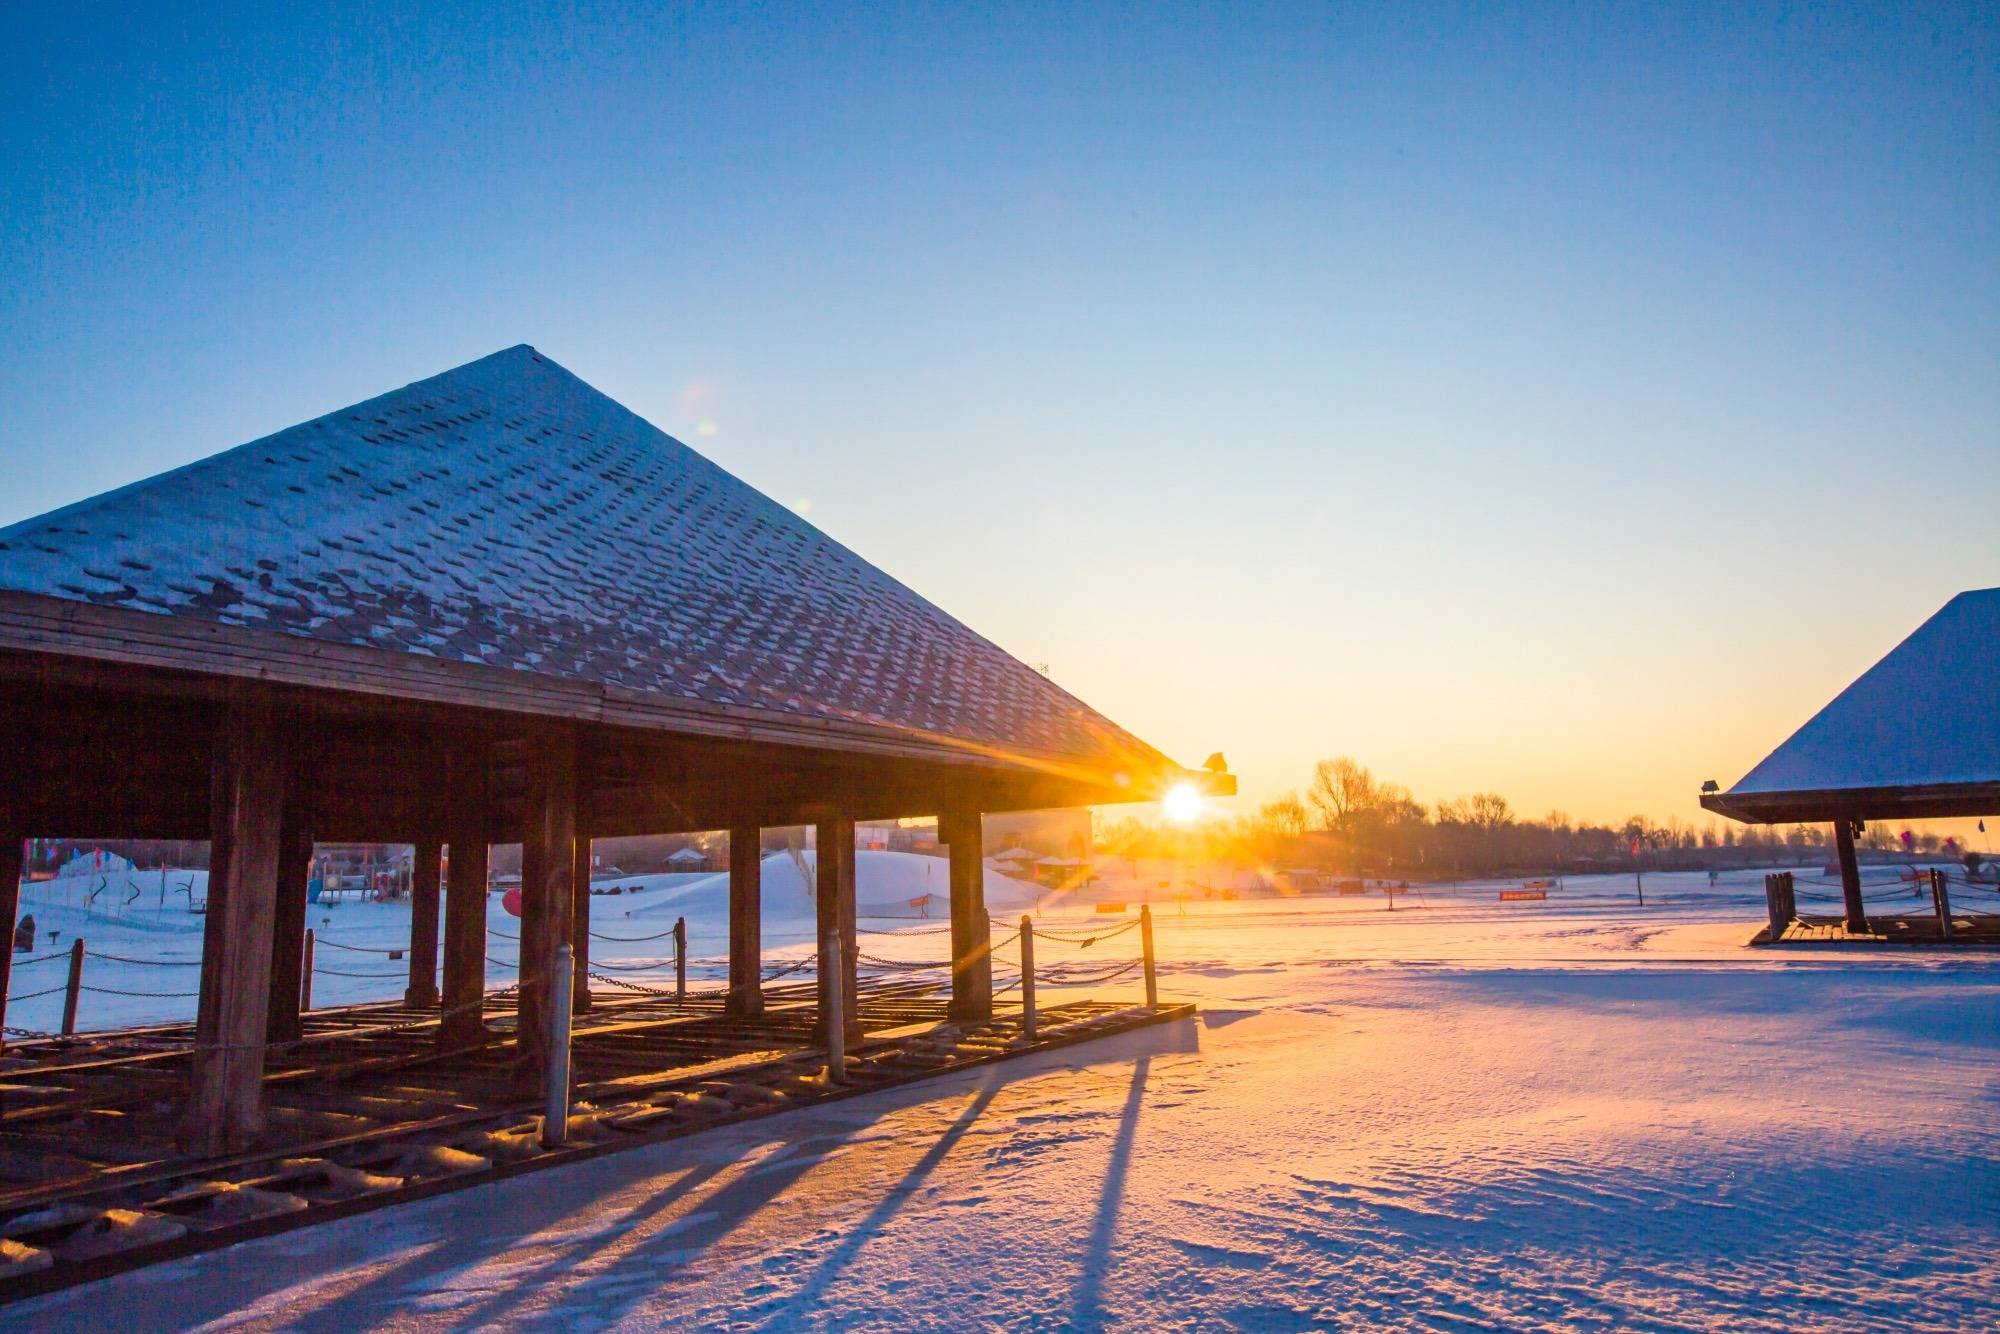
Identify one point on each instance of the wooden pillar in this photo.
(463, 1024)
(288, 921)
(548, 854)
(971, 934)
(834, 872)
(426, 873)
(746, 921)
(1850, 876)
(579, 926)
(13, 837)
(225, 1109)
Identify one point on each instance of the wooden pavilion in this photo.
(1917, 736)
(494, 606)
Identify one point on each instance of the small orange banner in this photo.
(1523, 895)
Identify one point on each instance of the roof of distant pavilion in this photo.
(1917, 736)
(506, 532)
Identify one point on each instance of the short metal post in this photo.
(1028, 978)
(75, 986)
(555, 1112)
(680, 959)
(306, 974)
(836, 1031)
(1146, 945)
(1941, 896)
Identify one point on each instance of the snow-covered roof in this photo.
(1926, 717)
(686, 855)
(506, 513)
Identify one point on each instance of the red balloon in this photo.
(511, 901)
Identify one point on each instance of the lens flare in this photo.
(1182, 803)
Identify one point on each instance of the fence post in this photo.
(306, 974)
(1941, 896)
(1028, 977)
(1774, 907)
(555, 1111)
(680, 959)
(1788, 898)
(75, 988)
(836, 1031)
(1146, 946)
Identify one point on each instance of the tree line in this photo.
(1350, 821)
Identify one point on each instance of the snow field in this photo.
(1460, 1116)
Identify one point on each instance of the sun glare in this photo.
(1182, 803)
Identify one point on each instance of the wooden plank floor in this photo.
(90, 1182)
(1976, 930)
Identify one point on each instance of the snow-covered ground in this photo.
(1460, 1115)
(143, 940)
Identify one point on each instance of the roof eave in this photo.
(1929, 801)
(67, 629)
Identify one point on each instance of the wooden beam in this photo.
(548, 853)
(288, 919)
(971, 933)
(225, 1107)
(579, 927)
(1850, 877)
(13, 835)
(834, 877)
(463, 1024)
(746, 921)
(201, 656)
(426, 871)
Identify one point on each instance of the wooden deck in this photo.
(367, 1112)
(1967, 931)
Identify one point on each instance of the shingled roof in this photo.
(1917, 735)
(509, 515)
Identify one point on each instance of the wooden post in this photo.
(463, 1023)
(306, 974)
(579, 926)
(555, 1110)
(1027, 977)
(746, 921)
(834, 872)
(1774, 907)
(74, 990)
(832, 992)
(1941, 896)
(680, 959)
(225, 1107)
(548, 861)
(288, 923)
(426, 872)
(1146, 953)
(971, 932)
(1850, 876)
(13, 839)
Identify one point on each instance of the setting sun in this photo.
(1182, 803)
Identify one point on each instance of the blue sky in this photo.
(1558, 400)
